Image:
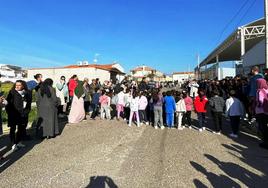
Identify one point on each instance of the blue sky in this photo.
(164, 34)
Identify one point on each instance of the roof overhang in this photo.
(230, 48)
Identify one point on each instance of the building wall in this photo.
(226, 72)
(55, 74)
(255, 56)
(181, 77)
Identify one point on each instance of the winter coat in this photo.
(72, 85)
(200, 105)
(170, 104)
(143, 102)
(180, 106)
(217, 104)
(134, 104)
(234, 107)
(188, 103)
(18, 107)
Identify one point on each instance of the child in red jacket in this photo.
(200, 108)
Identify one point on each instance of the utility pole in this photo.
(266, 34)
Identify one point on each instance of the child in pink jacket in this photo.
(143, 102)
(189, 105)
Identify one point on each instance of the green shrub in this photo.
(32, 115)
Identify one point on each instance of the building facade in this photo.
(182, 76)
(92, 71)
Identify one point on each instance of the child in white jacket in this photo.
(134, 109)
(180, 110)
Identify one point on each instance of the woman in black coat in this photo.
(18, 108)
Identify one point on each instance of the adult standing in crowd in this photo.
(157, 102)
(39, 79)
(18, 108)
(193, 89)
(261, 110)
(77, 112)
(63, 94)
(253, 89)
(71, 86)
(88, 97)
(47, 104)
(143, 85)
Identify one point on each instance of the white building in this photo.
(145, 71)
(91, 71)
(182, 76)
(11, 73)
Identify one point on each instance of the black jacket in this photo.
(15, 109)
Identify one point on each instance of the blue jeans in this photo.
(170, 119)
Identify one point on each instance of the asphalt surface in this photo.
(111, 154)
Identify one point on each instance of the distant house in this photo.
(11, 73)
(182, 76)
(90, 71)
(147, 72)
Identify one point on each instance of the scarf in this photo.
(79, 90)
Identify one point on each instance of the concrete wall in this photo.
(56, 73)
(255, 56)
(226, 72)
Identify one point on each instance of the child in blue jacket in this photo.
(170, 106)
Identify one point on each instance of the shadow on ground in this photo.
(101, 182)
(10, 157)
(246, 150)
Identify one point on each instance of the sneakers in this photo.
(233, 135)
(20, 145)
(15, 147)
(180, 128)
(155, 127)
(200, 130)
(218, 133)
(138, 125)
(204, 128)
(147, 123)
(129, 125)
(162, 127)
(190, 127)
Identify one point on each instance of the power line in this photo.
(251, 5)
(232, 19)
